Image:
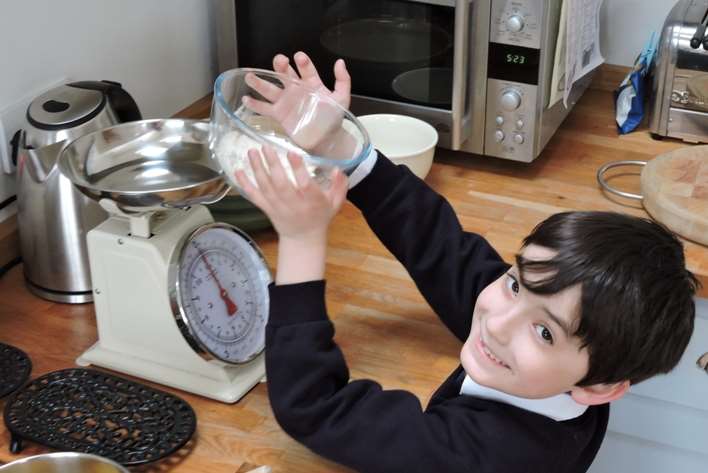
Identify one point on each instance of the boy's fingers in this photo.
(260, 174)
(342, 83)
(307, 70)
(278, 175)
(248, 190)
(338, 189)
(267, 89)
(302, 176)
(258, 106)
(281, 64)
(243, 181)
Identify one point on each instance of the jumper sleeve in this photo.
(357, 423)
(419, 227)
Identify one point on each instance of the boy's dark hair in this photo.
(637, 308)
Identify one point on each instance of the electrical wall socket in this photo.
(13, 118)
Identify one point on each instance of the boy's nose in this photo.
(502, 325)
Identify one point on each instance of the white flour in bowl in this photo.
(232, 153)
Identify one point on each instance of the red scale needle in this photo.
(231, 307)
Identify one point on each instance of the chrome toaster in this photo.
(679, 100)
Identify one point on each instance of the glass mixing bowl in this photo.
(254, 108)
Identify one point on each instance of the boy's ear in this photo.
(599, 393)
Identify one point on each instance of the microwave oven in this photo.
(479, 71)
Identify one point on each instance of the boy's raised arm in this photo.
(420, 228)
(449, 266)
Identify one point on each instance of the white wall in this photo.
(625, 27)
(162, 51)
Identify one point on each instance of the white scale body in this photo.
(138, 333)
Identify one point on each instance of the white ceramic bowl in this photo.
(403, 139)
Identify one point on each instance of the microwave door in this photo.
(459, 131)
(470, 76)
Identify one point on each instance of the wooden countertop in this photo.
(384, 327)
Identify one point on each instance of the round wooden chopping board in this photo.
(675, 190)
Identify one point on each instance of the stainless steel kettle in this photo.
(53, 216)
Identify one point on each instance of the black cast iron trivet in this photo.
(88, 411)
(15, 368)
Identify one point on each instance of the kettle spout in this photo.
(39, 163)
(34, 164)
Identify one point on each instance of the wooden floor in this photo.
(384, 327)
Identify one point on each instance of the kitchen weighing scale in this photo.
(180, 300)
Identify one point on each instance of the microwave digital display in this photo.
(519, 59)
(514, 63)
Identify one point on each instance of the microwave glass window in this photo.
(394, 49)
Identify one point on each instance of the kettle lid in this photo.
(65, 107)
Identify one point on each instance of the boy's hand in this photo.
(309, 75)
(300, 212)
(319, 128)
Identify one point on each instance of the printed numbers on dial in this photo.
(224, 293)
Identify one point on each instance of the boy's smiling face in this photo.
(521, 343)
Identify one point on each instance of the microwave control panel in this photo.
(515, 38)
(517, 22)
(510, 120)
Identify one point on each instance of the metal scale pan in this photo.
(146, 166)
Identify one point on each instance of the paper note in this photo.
(578, 46)
(558, 77)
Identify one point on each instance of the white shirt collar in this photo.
(560, 407)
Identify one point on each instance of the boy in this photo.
(595, 302)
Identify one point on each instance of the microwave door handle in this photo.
(459, 73)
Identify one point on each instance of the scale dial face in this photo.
(221, 292)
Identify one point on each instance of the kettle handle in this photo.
(18, 141)
(121, 101)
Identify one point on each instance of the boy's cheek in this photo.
(491, 297)
(469, 348)
(466, 356)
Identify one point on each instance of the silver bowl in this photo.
(63, 462)
(146, 165)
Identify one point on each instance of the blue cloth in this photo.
(629, 97)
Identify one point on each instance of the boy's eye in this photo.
(512, 284)
(544, 333)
